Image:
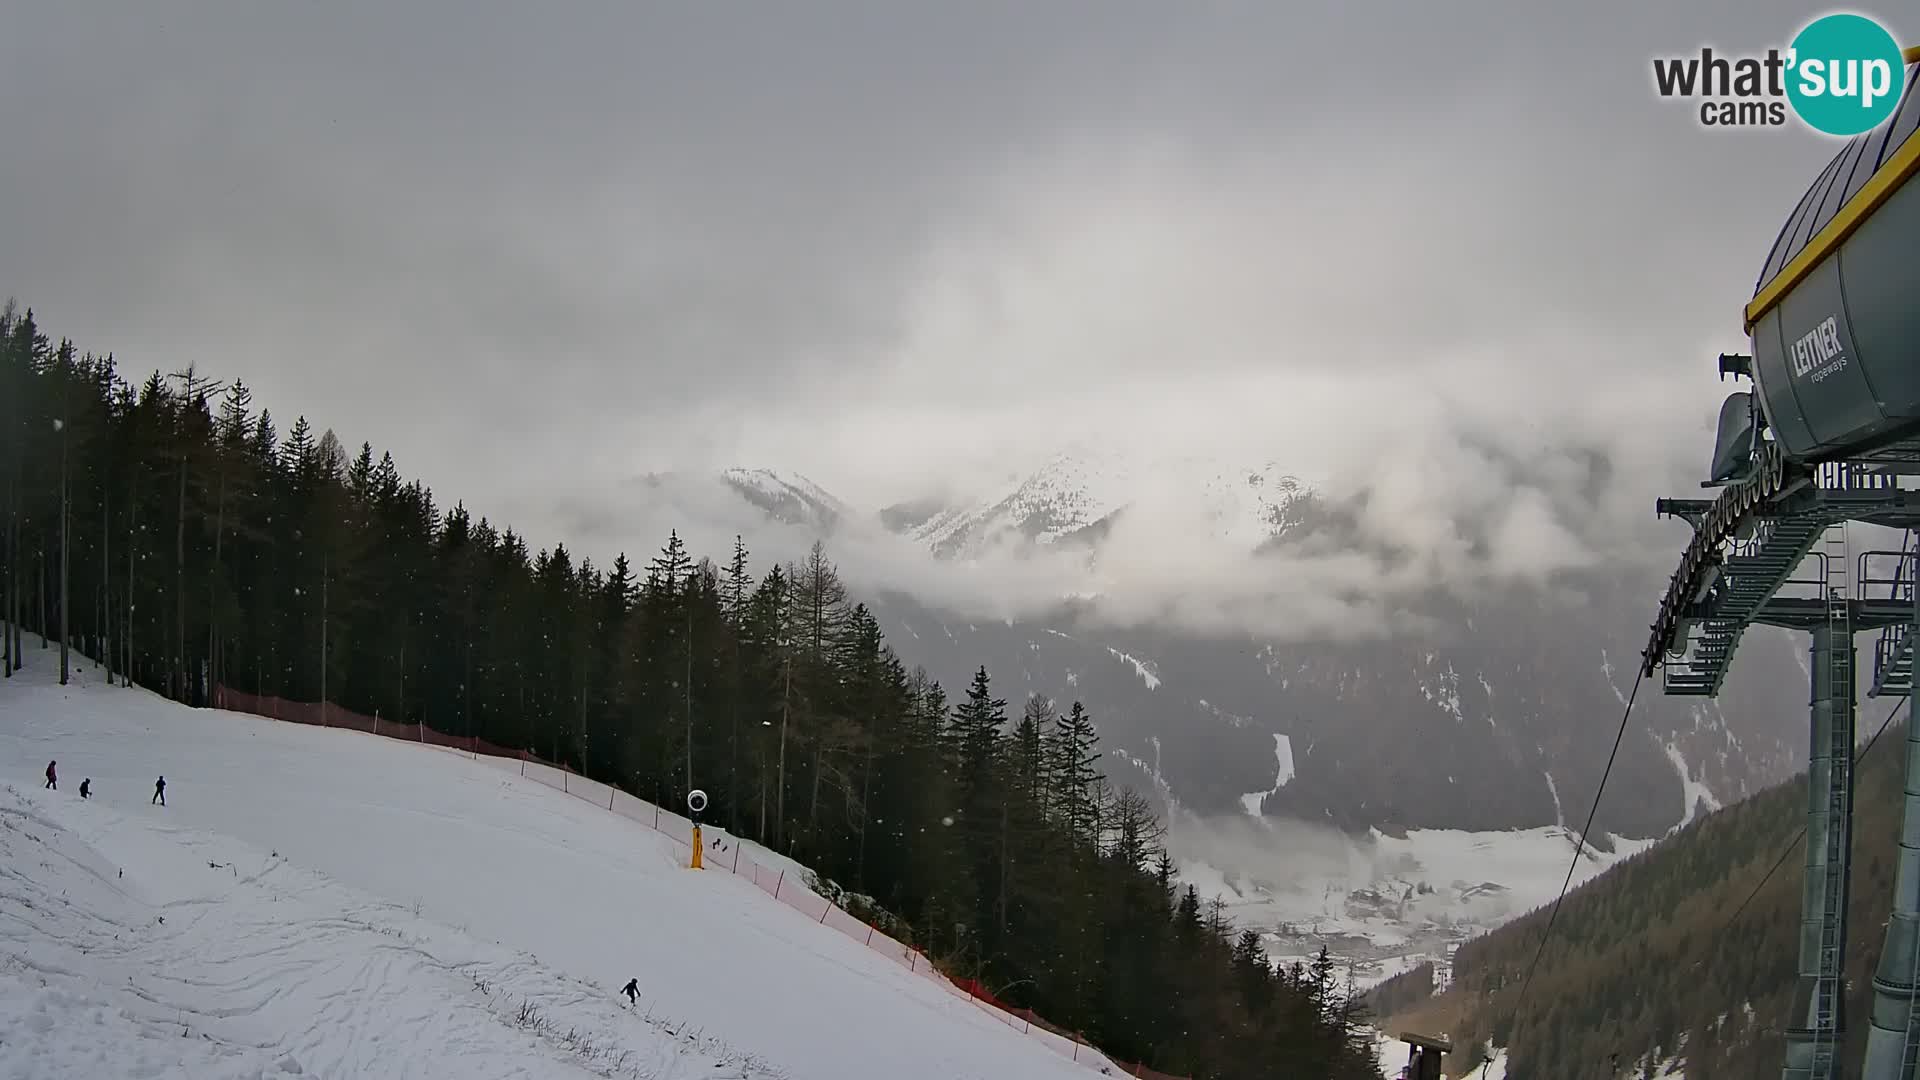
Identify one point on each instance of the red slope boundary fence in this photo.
(777, 883)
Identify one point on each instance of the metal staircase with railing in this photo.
(1748, 577)
(1753, 570)
(1893, 652)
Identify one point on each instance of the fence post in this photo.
(609, 792)
(736, 855)
(779, 881)
(656, 819)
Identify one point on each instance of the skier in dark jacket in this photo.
(51, 781)
(632, 990)
(159, 792)
(84, 785)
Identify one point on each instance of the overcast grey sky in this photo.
(535, 249)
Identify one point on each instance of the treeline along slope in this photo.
(179, 535)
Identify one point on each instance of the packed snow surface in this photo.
(136, 948)
(322, 902)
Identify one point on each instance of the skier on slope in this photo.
(52, 782)
(159, 792)
(632, 990)
(84, 785)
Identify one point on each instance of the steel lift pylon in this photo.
(1760, 577)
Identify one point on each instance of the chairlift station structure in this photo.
(1829, 434)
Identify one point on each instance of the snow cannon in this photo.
(1833, 322)
(696, 802)
(1423, 1063)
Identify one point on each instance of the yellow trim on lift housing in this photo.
(1892, 173)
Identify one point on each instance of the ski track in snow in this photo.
(383, 909)
(210, 959)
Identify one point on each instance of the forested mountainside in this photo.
(1673, 952)
(1501, 721)
(1493, 709)
(172, 531)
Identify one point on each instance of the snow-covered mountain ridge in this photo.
(789, 498)
(1071, 497)
(1068, 497)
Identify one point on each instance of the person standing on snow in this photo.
(632, 990)
(84, 784)
(51, 781)
(159, 792)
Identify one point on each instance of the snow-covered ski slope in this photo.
(129, 947)
(381, 909)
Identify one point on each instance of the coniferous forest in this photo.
(1685, 949)
(171, 532)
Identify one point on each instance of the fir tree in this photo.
(1075, 772)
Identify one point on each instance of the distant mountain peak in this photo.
(1075, 497)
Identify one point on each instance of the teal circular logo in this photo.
(1844, 74)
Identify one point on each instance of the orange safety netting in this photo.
(724, 853)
